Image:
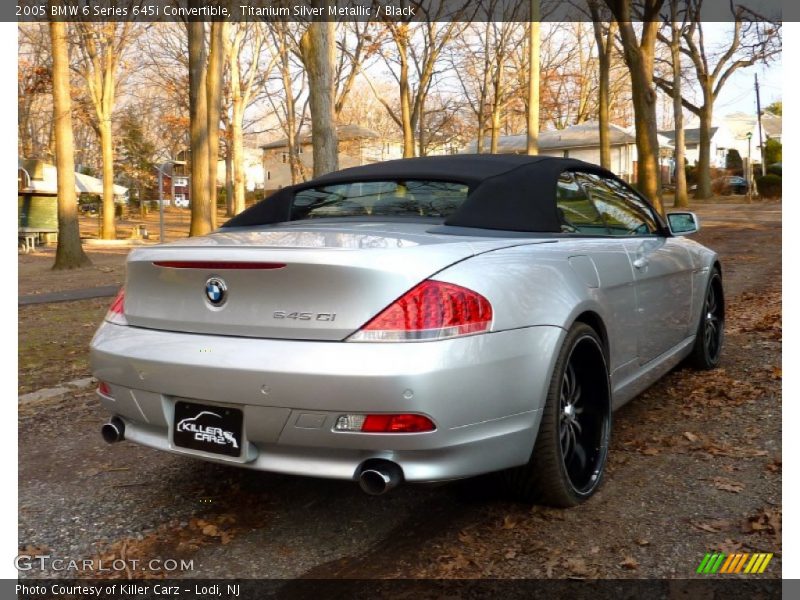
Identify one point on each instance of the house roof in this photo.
(344, 132)
(44, 179)
(583, 135)
(772, 124)
(691, 136)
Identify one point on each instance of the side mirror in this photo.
(683, 223)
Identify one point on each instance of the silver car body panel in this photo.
(484, 392)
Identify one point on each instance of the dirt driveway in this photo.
(695, 467)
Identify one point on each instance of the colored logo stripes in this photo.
(734, 563)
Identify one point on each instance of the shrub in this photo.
(733, 162)
(769, 186)
(773, 151)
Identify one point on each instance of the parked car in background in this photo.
(415, 320)
(730, 184)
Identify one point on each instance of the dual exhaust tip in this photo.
(376, 478)
(113, 431)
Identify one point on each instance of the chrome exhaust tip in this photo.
(380, 477)
(113, 431)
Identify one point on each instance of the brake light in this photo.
(116, 312)
(382, 423)
(433, 310)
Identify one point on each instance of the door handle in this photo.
(641, 263)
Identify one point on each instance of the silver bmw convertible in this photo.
(418, 320)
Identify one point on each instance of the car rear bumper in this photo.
(484, 393)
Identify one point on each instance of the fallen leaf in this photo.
(211, 530)
(727, 485)
(629, 563)
(642, 542)
(705, 527)
(509, 522)
(690, 436)
(577, 566)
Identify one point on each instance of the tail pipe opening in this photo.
(113, 431)
(379, 476)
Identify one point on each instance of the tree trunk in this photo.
(602, 111)
(497, 105)
(704, 158)
(239, 182)
(201, 222)
(640, 59)
(319, 58)
(230, 209)
(405, 94)
(109, 231)
(214, 108)
(533, 80)
(69, 253)
(484, 91)
(605, 45)
(681, 195)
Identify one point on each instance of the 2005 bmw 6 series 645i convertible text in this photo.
(416, 320)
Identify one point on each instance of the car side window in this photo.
(576, 211)
(624, 213)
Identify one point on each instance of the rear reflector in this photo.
(403, 423)
(433, 310)
(213, 265)
(116, 312)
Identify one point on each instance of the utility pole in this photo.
(760, 134)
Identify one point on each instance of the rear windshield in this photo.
(409, 198)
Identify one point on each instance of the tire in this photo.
(579, 392)
(710, 336)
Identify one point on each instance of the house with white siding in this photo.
(582, 141)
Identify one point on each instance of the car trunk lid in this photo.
(305, 284)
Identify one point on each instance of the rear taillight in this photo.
(383, 423)
(433, 310)
(116, 312)
(103, 388)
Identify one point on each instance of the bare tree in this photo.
(676, 28)
(534, 39)
(201, 220)
(100, 49)
(216, 64)
(34, 94)
(604, 40)
(639, 53)
(752, 40)
(417, 51)
(319, 57)
(285, 102)
(244, 76)
(69, 253)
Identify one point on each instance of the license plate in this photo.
(214, 429)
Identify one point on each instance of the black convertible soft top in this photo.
(510, 192)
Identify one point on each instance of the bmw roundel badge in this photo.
(216, 291)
